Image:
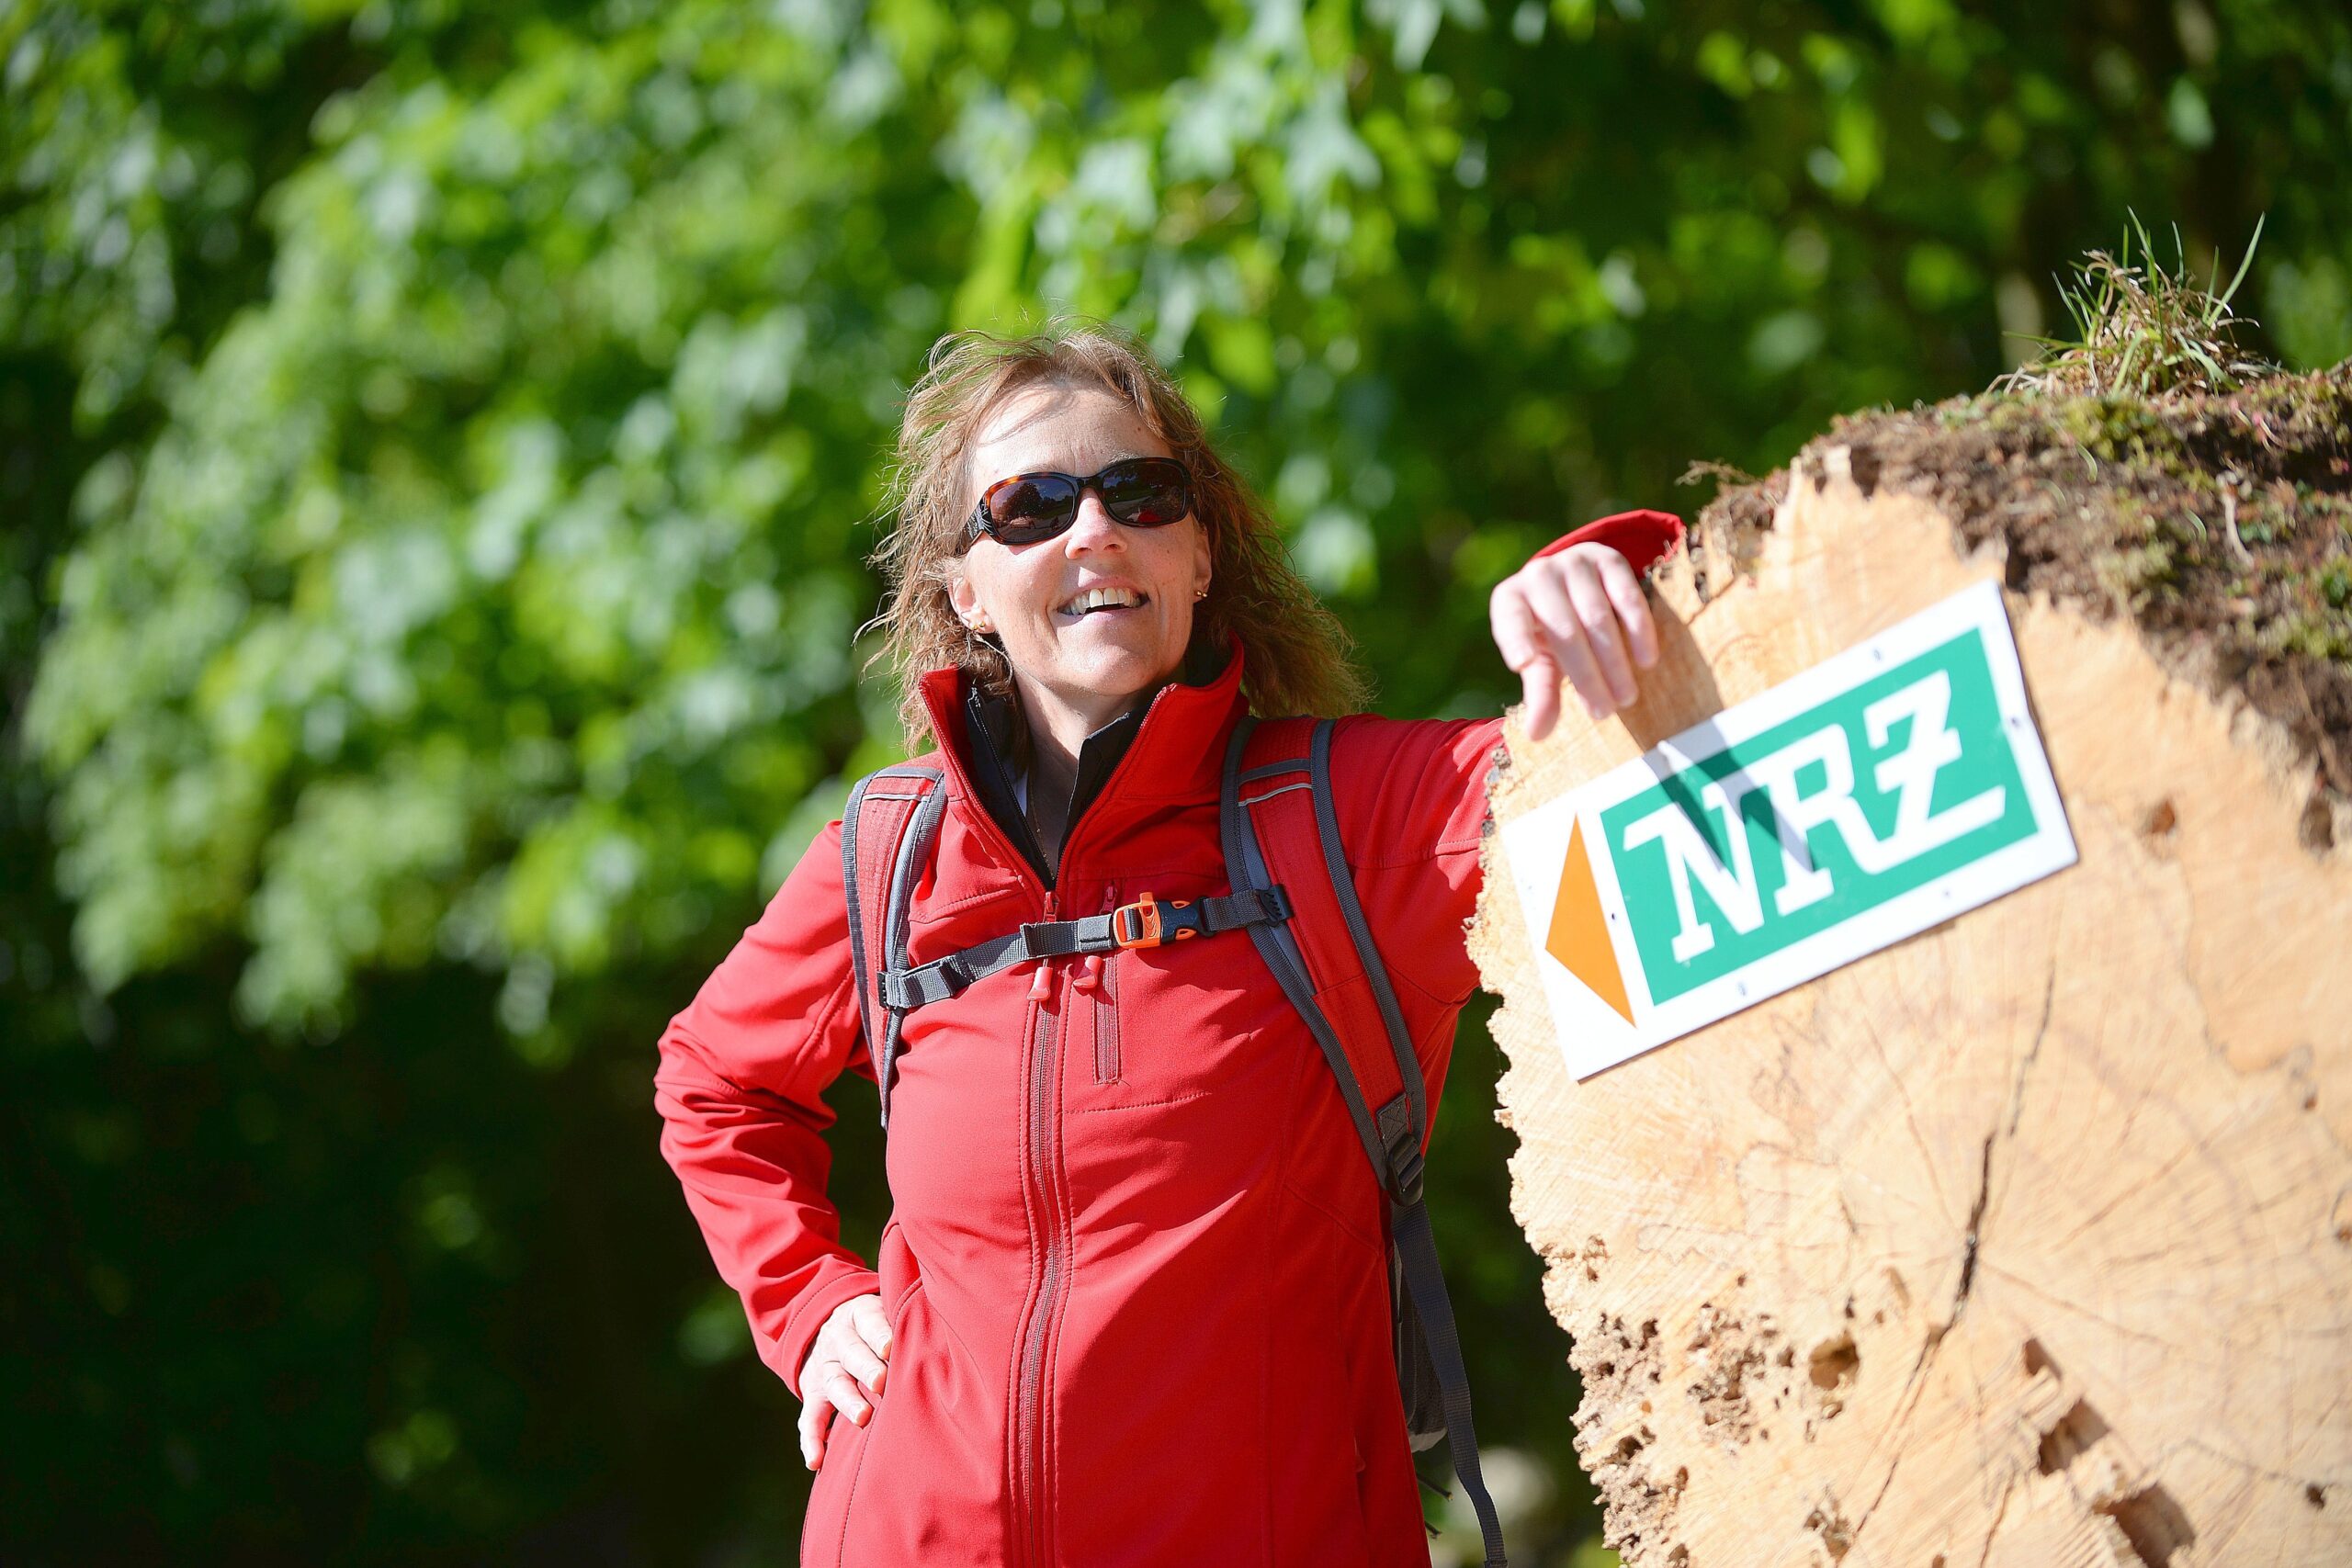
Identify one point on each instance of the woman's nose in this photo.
(1094, 528)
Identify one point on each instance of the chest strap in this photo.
(1144, 923)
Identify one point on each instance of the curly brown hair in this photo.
(1298, 659)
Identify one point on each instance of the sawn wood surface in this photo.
(2027, 1241)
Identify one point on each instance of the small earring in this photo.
(1200, 593)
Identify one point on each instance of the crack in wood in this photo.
(1893, 1465)
(1974, 1242)
(1972, 1247)
(2033, 1051)
(1993, 1532)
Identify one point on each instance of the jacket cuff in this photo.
(808, 1316)
(1644, 538)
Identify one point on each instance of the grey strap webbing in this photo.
(904, 989)
(903, 805)
(1416, 1246)
(916, 832)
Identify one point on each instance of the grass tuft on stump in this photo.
(2143, 331)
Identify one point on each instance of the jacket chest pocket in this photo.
(1183, 1022)
(1092, 1005)
(1095, 1001)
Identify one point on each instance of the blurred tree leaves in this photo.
(516, 513)
(440, 441)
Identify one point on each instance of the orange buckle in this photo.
(1143, 924)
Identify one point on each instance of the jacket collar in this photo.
(1171, 749)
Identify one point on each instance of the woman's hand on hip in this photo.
(1579, 617)
(847, 1363)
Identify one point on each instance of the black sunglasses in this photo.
(1143, 493)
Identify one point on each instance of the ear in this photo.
(963, 595)
(1204, 559)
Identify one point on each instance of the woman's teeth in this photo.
(1102, 599)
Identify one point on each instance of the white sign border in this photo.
(1537, 843)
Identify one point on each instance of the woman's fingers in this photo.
(852, 1349)
(1526, 651)
(1581, 618)
(826, 1390)
(858, 1337)
(1562, 626)
(1540, 691)
(816, 1416)
(1624, 588)
(858, 1359)
(842, 1389)
(872, 1325)
(1596, 619)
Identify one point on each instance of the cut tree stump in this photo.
(2027, 1241)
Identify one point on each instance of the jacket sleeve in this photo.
(1415, 813)
(740, 1088)
(1644, 538)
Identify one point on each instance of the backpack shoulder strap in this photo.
(888, 831)
(1281, 828)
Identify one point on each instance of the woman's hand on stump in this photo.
(847, 1363)
(1579, 617)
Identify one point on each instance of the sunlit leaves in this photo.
(483, 587)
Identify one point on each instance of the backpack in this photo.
(1293, 893)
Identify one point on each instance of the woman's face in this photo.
(1092, 661)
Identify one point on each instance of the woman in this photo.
(1131, 1305)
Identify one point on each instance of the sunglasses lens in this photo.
(1030, 507)
(1149, 493)
(1143, 492)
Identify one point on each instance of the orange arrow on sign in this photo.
(1580, 934)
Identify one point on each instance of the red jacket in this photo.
(1136, 1266)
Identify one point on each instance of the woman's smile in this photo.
(1103, 601)
(1104, 608)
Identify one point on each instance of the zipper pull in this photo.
(1090, 978)
(1042, 981)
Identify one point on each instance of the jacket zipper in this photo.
(1029, 1532)
(1032, 1529)
(1029, 1434)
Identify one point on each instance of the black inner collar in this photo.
(999, 744)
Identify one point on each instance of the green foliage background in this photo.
(437, 442)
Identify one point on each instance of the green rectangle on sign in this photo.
(1824, 817)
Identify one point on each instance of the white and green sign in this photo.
(1870, 797)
